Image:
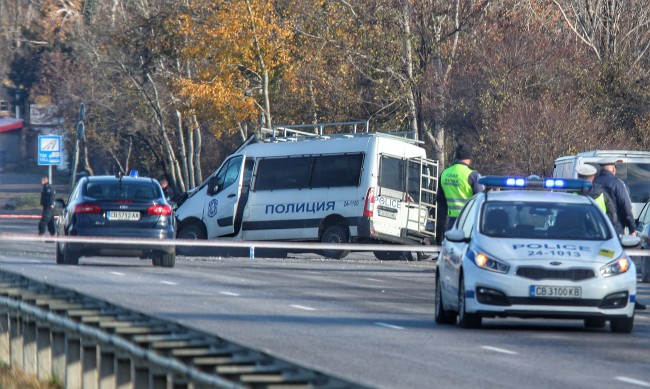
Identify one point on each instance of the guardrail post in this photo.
(73, 363)
(89, 376)
(123, 377)
(29, 346)
(15, 341)
(58, 355)
(158, 379)
(140, 376)
(5, 357)
(107, 367)
(44, 356)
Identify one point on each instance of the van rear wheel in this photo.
(335, 234)
(190, 232)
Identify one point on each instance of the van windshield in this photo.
(637, 178)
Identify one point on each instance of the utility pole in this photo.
(79, 136)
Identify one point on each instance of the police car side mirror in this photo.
(630, 241)
(456, 235)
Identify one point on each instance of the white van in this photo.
(633, 168)
(303, 186)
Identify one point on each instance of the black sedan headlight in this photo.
(486, 262)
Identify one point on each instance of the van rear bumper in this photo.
(367, 233)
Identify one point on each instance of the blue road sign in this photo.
(49, 149)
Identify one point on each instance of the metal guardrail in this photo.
(89, 343)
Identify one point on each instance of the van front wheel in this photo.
(335, 234)
(190, 232)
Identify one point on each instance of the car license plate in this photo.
(123, 216)
(571, 292)
(388, 214)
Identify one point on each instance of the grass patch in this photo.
(15, 379)
(28, 201)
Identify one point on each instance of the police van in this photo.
(302, 183)
(633, 167)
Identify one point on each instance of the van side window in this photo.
(333, 171)
(228, 174)
(283, 173)
(392, 173)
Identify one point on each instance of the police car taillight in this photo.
(506, 182)
(369, 206)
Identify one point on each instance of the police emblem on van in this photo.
(212, 207)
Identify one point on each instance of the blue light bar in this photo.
(133, 173)
(508, 182)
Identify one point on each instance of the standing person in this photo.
(167, 190)
(457, 184)
(597, 192)
(47, 201)
(616, 189)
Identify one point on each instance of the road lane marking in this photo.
(303, 307)
(389, 326)
(229, 294)
(168, 283)
(499, 350)
(34, 261)
(374, 279)
(633, 381)
(117, 273)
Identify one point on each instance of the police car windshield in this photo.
(542, 220)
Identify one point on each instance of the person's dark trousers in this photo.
(47, 219)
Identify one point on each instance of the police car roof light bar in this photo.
(508, 182)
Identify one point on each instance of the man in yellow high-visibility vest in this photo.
(597, 191)
(457, 184)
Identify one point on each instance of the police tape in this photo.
(22, 216)
(288, 246)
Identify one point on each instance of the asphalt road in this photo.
(359, 318)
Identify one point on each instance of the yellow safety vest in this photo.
(455, 184)
(600, 201)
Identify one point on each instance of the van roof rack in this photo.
(296, 132)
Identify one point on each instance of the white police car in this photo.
(535, 252)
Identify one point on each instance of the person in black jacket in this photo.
(616, 189)
(47, 202)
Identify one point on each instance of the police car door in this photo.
(223, 192)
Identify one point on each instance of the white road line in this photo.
(632, 381)
(303, 307)
(117, 273)
(168, 283)
(229, 294)
(389, 326)
(499, 350)
(374, 279)
(34, 261)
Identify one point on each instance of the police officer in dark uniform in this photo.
(616, 189)
(47, 201)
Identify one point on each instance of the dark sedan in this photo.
(116, 207)
(643, 232)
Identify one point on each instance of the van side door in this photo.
(222, 196)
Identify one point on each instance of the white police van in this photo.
(633, 168)
(311, 186)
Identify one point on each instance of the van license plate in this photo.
(123, 216)
(571, 292)
(388, 214)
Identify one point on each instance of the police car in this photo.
(533, 248)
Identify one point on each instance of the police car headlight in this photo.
(484, 261)
(619, 266)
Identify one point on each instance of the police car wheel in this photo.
(466, 320)
(335, 234)
(442, 316)
(645, 270)
(623, 325)
(387, 255)
(168, 260)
